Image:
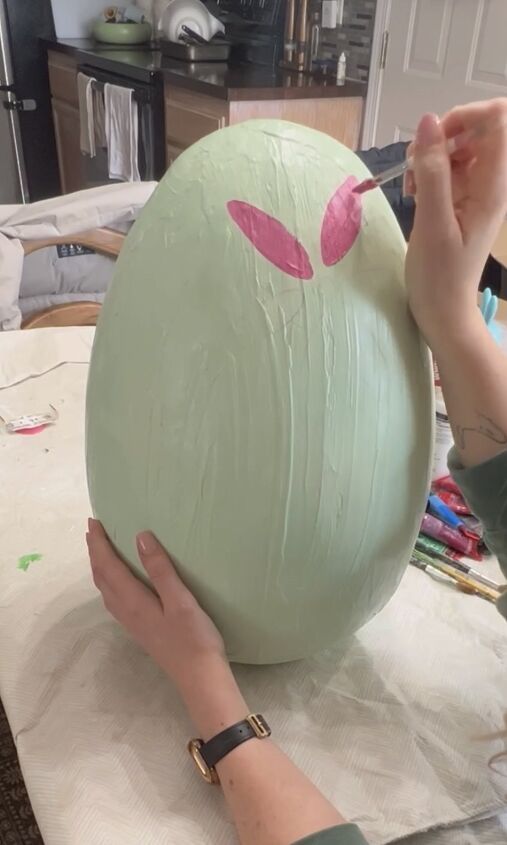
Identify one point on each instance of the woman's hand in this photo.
(461, 201)
(168, 624)
(271, 801)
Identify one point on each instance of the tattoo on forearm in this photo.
(487, 428)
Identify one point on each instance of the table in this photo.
(383, 724)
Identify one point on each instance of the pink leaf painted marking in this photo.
(341, 223)
(271, 239)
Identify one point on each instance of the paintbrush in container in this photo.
(453, 144)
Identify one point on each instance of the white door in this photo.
(440, 53)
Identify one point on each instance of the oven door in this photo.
(151, 152)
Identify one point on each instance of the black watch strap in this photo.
(226, 741)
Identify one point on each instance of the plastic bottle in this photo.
(315, 36)
(443, 433)
(312, 47)
(341, 69)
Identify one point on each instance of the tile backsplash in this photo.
(354, 37)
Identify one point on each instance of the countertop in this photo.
(145, 63)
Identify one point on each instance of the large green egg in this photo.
(259, 396)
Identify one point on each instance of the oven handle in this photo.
(143, 93)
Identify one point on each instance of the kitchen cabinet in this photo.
(67, 132)
(190, 116)
(64, 100)
(198, 99)
(339, 117)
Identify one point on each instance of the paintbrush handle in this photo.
(462, 567)
(457, 143)
(467, 581)
(460, 577)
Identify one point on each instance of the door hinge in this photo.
(20, 105)
(383, 49)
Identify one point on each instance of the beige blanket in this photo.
(385, 725)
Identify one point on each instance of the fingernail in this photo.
(429, 130)
(92, 523)
(146, 543)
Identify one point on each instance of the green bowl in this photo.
(122, 33)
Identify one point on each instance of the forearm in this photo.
(270, 799)
(473, 373)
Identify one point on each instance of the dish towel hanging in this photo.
(122, 133)
(99, 117)
(86, 115)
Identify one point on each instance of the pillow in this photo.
(65, 270)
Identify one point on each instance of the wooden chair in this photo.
(84, 313)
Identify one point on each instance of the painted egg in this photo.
(259, 396)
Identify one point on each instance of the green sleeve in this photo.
(344, 834)
(484, 486)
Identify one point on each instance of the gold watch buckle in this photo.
(259, 726)
(194, 749)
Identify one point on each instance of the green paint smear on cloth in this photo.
(26, 561)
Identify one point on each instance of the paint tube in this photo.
(433, 527)
(454, 501)
(436, 547)
(437, 507)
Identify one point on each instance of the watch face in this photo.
(194, 749)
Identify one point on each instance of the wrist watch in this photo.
(207, 754)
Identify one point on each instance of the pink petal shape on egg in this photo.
(341, 223)
(271, 239)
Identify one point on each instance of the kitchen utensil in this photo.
(193, 35)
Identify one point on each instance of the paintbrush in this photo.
(432, 570)
(453, 144)
(459, 577)
(466, 569)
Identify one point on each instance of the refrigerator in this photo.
(28, 160)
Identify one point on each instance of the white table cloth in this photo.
(385, 725)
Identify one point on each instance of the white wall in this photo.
(73, 18)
